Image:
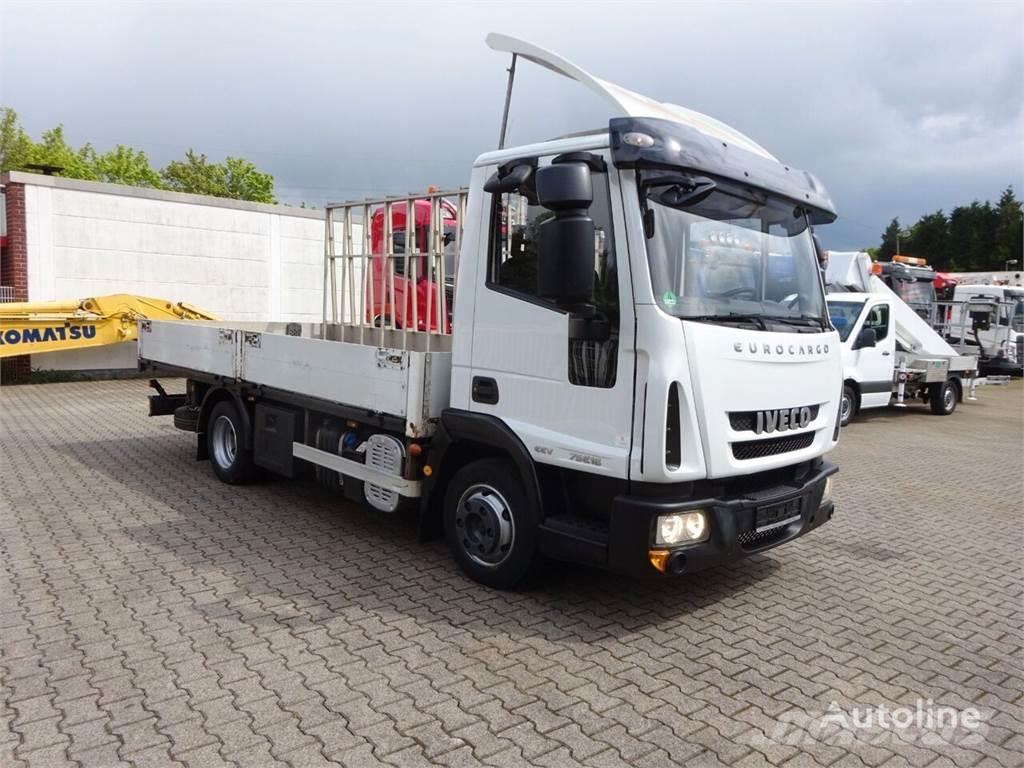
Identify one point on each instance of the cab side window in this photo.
(512, 269)
(878, 319)
(515, 233)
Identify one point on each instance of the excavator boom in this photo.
(53, 326)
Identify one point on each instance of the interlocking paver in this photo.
(150, 615)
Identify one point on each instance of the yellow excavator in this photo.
(52, 326)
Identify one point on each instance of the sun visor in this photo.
(643, 142)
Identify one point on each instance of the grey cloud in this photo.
(900, 108)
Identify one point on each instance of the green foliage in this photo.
(124, 165)
(978, 237)
(235, 178)
(890, 238)
(53, 149)
(15, 144)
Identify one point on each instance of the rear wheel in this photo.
(847, 405)
(942, 397)
(491, 529)
(231, 460)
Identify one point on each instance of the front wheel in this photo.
(847, 405)
(491, 529)
(942, 397)
(232, 461)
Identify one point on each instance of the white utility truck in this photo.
(988, 319)
(634, 368)
(889, 350)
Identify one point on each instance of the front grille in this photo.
(756, 540)
(755, 449)
(745, 421)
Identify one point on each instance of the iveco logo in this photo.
(782, 419)
(778, 350)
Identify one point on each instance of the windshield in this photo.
(843, 315)
(1017, 319)
(919, 293)
(718, 255)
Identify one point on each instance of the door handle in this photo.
(485, 390)
(886, 354)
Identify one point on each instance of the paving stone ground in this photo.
(150, 615)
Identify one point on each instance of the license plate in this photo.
(777, 515)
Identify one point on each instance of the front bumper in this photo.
(733, 529)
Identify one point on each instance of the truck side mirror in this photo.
(981, 315)
(866, 338)
(565, 264)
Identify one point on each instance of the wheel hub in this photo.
(484, 525)
(225, 442)
(948, 398)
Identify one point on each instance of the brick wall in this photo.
(14, 267)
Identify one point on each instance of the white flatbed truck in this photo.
(634, 370)
(890, 352)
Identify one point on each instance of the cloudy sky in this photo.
(900, 108)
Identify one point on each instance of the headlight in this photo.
(681, 528)
(826, 495)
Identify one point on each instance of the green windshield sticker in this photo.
(669, 299)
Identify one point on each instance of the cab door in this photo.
(569, 401)
(875, 365)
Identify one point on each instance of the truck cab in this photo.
(392, 293)
(912, 280)
(868, 343)
(639, 372)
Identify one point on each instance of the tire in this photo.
(186, 418)
(491, 529)
(847, 405)
(231, 460)
(943, 397)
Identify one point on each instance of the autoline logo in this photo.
(65, 332)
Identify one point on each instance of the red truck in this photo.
(391, 299)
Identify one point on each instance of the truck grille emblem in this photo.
(782, 419)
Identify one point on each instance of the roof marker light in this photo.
(637, 139)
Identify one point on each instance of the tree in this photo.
(1009, 229)
(235, 177)
(124, 165)
(15, 144)
(890, 238)
(53, 149)
(979, 237)
(929, 239)
(972, 230)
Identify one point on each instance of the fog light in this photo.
(681, 528)
(826, 495)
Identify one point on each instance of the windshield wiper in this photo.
(734, 317)
(807, 320)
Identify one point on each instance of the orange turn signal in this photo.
(658, 558)
(427, 470)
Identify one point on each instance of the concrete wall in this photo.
(242, 261)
